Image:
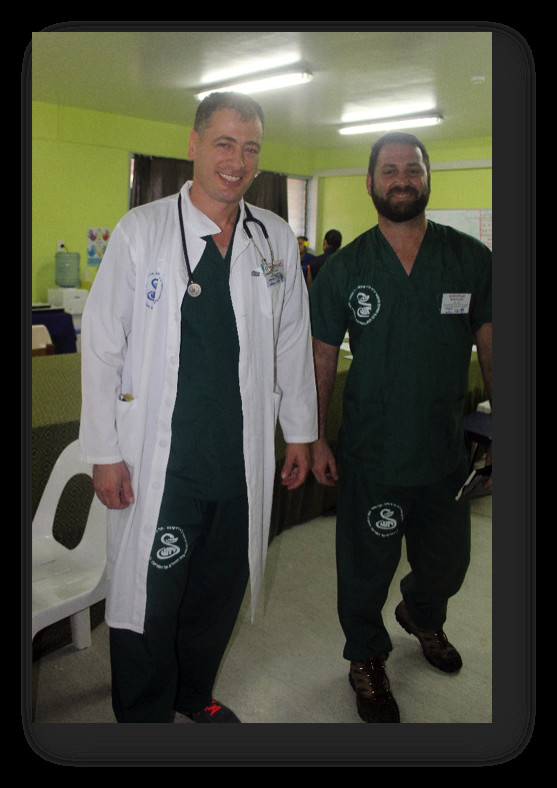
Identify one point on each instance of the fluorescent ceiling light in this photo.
(256, 83)
(388, 124)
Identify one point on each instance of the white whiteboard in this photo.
(477, 223)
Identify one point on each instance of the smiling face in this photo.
(226, 158)
(400, 184)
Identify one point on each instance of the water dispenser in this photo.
(67, 269)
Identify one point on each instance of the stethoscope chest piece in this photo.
(194, 289)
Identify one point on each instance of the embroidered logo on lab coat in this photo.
(365, 303)
(385, 519)
(153, 289)
(169, 547)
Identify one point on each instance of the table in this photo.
(60, 327)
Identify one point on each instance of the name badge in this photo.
(455, 303)
(276, 275)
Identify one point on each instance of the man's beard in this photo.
(404, 211)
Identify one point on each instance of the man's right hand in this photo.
(113, 485)
(324, 463)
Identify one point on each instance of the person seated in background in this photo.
(305, 257)
(331, 242)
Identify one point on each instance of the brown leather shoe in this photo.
(374, 700)
(437, 649)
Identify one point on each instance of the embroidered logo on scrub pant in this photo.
(385, 519)
(169, 547)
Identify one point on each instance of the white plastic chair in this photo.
(40, 336)
(65, 583)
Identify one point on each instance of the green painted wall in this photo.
(80, 172)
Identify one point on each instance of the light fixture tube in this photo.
(389, 124)
(258, 83)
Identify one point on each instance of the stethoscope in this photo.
(266, 268)
(193, 288)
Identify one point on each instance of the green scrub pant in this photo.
(197, 577)
(372, 519)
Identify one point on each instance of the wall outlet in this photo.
(60, 246)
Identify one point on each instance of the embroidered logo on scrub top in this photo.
(153, 289)
(365, 303)
(385, 519)
(169, 547)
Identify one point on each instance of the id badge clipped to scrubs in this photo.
(455, 303)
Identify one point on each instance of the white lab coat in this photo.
(131, 346)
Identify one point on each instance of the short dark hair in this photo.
(334, 239)
(246, 107)
(398, 137)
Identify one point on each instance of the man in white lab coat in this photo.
(195, 339)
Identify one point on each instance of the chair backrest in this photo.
(40, 336)
(68, 465)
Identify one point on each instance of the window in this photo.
(297, 204)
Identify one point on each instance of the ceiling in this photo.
(151, 74)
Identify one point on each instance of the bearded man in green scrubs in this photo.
(414, 296)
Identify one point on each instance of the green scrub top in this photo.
(206, 456)
(411, 338)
